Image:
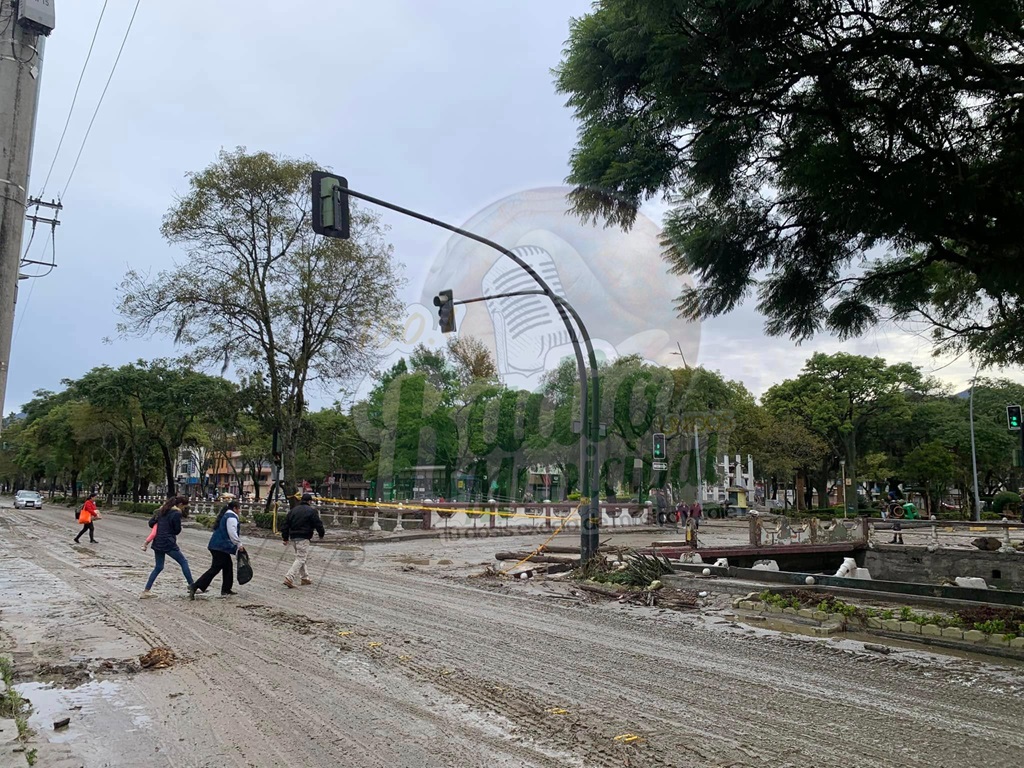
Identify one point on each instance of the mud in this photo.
(384, 663)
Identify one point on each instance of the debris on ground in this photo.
(158, 658)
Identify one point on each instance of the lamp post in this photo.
(846, 505)
(974, 454)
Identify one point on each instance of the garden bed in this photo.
(984, 625)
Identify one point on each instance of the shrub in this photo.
(207, 521)
(140, 508)
(1006, 503)
(263, 520)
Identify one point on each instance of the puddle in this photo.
(51, 703)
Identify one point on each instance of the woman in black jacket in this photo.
(168, 525)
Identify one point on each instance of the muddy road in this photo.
(391, 659)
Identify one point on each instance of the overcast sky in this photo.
(442, 106)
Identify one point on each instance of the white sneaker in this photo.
(146, 593)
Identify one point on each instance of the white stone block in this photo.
(971, 582)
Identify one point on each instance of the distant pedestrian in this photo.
(298, 527)
(696, 512)
(165, 544)
(86, 516)
(661, 504)
(682, 512)
(224, 543)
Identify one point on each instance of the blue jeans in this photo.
(177, 556)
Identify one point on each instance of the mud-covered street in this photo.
(401, 655)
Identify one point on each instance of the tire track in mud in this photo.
(698, 695)
(224, 629)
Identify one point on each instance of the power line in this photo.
(100, 102)
(74, 98)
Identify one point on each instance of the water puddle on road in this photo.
(51, 703)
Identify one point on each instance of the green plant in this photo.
(640, 570)
(31, 756)
(207, 521)
(263, 520)
(991, 627)
(1006, 503)
(887, 615)
(906, 614)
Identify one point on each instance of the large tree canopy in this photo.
(259, 289)
(850, 161)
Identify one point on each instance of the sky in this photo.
(441, 106)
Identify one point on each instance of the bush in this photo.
(263, 520)
(207, 521)
(1006, 503)
(138, 509)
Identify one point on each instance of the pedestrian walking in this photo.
(165, 544)
(86, 516)
(696, 512)
(298, 528)
(224, 543)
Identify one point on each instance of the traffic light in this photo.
(659, 446)
(445, 303)
(330, 205)
(1013, 417)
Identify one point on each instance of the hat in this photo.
(307, 497)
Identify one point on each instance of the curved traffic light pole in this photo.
(591, 519)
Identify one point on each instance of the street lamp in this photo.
(846, 504)
(974, 454)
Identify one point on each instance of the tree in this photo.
(798, 138)
(472, 359)
(838, 397)
(931, 466)
(259, 290)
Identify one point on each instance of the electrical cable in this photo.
(100, 102)
(74, 98)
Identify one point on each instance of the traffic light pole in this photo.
(590, 482)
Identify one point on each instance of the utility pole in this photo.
(24, 26)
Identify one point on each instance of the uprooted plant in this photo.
(635, 570)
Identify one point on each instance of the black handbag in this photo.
(244, 568)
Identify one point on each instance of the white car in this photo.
(26, 499)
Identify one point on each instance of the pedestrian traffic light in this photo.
(444, 301)
(659, 446)
(330, 205)
(1013, 417)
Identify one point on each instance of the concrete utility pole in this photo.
(23, 29)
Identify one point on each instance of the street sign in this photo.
(659, 466)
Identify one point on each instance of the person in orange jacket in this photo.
(85, 518)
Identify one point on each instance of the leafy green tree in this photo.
(260, 291)
(932, 467)
(839, 397)
(847, 161)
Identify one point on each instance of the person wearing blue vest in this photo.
(224, 543)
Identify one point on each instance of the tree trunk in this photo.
(172, 481)
(74, 484)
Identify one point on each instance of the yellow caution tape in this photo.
(546, 541)
(558, 711)
(627, 738)
(427, 508)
